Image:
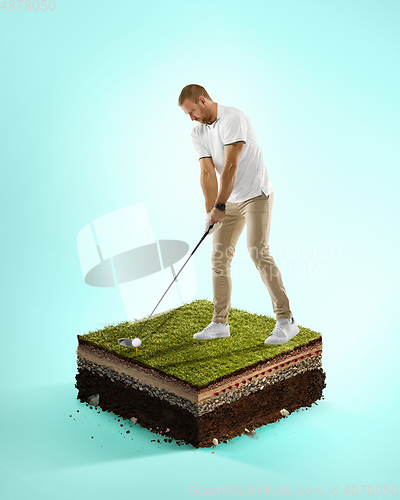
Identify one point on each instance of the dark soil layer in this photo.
(224, 423)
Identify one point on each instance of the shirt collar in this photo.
(219, 109)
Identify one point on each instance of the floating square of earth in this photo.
(195, 391)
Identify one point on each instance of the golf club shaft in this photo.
(197, 246)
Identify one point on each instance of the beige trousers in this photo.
(256, 213)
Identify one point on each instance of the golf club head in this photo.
(125, 342)
(136, 342)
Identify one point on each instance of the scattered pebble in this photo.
(284, 412)
(246, 430)
(93, 400)
(215, 441)
(134, 420)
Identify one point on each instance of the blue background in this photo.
(90, 124)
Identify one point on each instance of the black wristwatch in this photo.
(220, 207)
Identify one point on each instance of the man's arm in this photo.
(227, 180)
(209, 183)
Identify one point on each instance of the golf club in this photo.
(137, 343)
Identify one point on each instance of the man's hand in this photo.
(208, 223)
(217, 215)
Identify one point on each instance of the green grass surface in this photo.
(168, 344)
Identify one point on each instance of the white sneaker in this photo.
(213, 331)
(285, 329)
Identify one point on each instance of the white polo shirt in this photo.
(231, 126)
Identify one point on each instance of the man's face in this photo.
(198, 112)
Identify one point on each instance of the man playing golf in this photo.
(225, 143)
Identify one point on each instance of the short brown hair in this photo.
(193, 92)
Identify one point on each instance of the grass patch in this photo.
(168, 344)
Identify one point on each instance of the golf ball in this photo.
(136, 342)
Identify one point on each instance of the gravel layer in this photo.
(253, 386)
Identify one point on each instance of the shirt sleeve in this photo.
(234, 129)
(200, 147)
